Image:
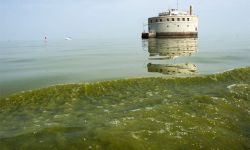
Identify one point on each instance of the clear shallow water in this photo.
(211, 112)
(29, 65)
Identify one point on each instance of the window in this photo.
(167, 19)
(188, 19)
(160, 20)
(178, 25)
(178, 19)
(156, 20)
(151, 21)
(172, 19)
(183, 19)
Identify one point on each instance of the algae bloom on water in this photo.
(207, 112)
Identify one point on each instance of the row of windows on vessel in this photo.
(176, 25)
(172, 19)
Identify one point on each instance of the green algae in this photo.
(205, 112)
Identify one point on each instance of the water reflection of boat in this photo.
(160, 49)
(171, 48)
(172, 69)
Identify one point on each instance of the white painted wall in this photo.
(173, 26)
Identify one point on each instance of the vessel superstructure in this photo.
(173, 23)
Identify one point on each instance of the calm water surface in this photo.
(35, 64)
(162, 111)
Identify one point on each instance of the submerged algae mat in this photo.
(211, 112)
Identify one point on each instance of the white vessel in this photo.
(173, 24)
(68, 38)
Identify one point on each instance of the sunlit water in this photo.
(29, 65)
(178, 107)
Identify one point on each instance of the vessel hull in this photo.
(176, 35)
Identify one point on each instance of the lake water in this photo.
(29, 65)
(167, 95)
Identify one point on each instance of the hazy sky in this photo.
(57, 19)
